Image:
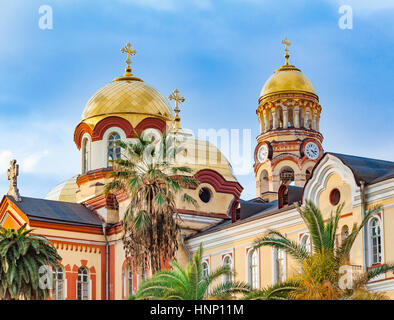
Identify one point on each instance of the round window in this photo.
(205, 195)
(335, 196)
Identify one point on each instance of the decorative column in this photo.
(274, 119)
(285, 117)
(314, 120)
(296, 116)
(266, 121)
(306, 118)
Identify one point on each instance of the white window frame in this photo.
(303, 236)
(274, 264)
(55, 291)
(224, 277)
(87, 283)
(205, 260)
(248, 267)
(370, 254)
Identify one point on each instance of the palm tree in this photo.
(190, 283)
(320, 272)
(22, 255)
(146, 172)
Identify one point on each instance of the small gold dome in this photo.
(127, 95)
(287, 79)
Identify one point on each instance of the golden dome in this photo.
(287, 79)
(200, 154)
(127, 95)
(65, 191)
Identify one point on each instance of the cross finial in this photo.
(130, 52)
(286, 43)
(178, 99)
(12, 175)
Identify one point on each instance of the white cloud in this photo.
(29, 163)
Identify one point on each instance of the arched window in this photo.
(253, 269)
(227, 261)
(129, 280)
(264, 183)
(205, 269)
(279, 266)
(58, 284)
(280, 123)
(271, 120)
(113, 149)
(85, 155)
(290, 117)
(344, 232)
(83, 284)
(286, 175)
(375, 233)
(306, 242)
(308, 173)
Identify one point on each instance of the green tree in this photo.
(22, 255)
(320, 266)
(146, 172)
(190, 283)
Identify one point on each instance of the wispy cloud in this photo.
(29, 163)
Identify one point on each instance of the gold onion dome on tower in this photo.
(127, 95)
(287, 79)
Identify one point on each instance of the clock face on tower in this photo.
(262, 154)
(312, 150)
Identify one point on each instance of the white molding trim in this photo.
(329, 165)
(246, 230)
(384, 285)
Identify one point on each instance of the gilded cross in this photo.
(12, 175)
(130, 52)
(286, 43)
(178, 99)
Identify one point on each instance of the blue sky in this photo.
(218, 53)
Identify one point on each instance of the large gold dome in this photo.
(287, 79)
(127, 95)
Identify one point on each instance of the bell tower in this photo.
(289, 143)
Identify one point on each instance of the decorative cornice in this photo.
(217, 181)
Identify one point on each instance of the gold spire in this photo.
(130, 52)
(178, 99)
(286, 43)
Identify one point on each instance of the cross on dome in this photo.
(286, 43)
(130, 52)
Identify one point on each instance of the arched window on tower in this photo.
(264, 183)
(286, 175)
(283, 196)
(271, 120)
(85, 155)
(302, 116)
(114, 150)
(290, 117)
(280, 117)
(308, 173)
(83, 284)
